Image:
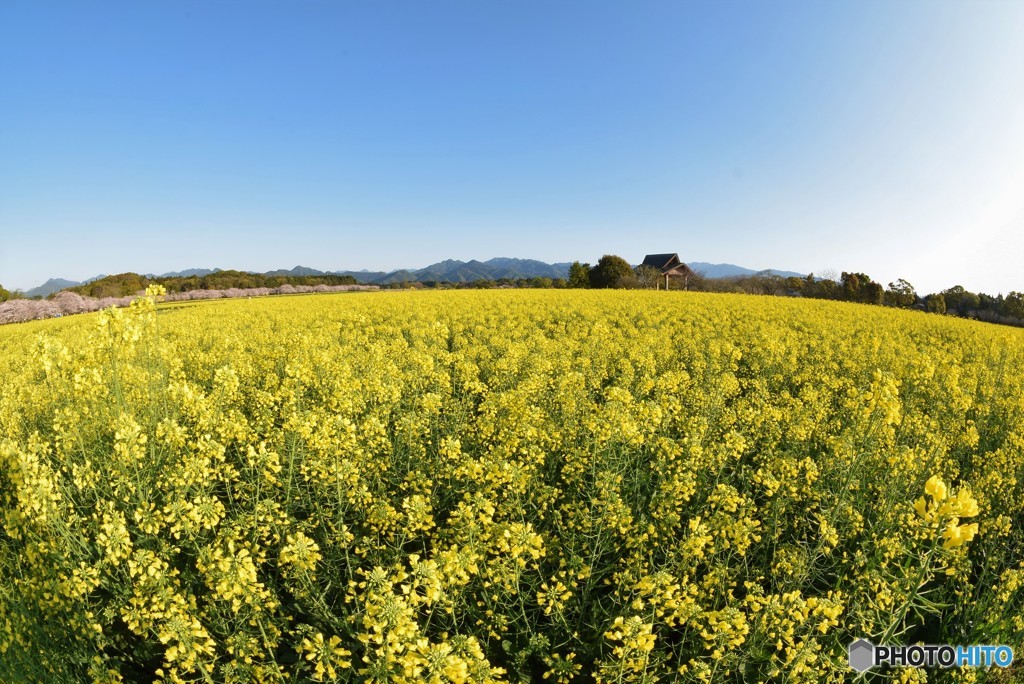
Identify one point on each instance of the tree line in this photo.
(129, 283)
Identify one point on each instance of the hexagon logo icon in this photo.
(862, 655)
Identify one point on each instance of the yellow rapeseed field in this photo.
(504, 486)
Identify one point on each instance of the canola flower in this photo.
(947, 510)
(568, 486)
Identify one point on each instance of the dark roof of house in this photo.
(668, 264)
(661, 261)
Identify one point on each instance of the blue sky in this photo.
(883, 137)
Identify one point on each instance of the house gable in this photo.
(662, 262)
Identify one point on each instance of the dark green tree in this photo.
(4, 294)
(795, 285)
(859, 287)
(1013, 305)
(960, 300)
(820, 288)
(900, 294)
(851, 284)
(935, 303)
(610, 269)
(874, 293)
(579, 275)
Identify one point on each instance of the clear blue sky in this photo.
(884, 137)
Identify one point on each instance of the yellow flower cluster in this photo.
(632, 642)
(327, 657)
(946, 510)
(300, 555)
(503, 486)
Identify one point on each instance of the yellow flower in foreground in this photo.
(957, 535)
(936, 487)
(947, 510)
(967, 505)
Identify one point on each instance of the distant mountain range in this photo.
(454, 271)
(448, 271)
(56, 285)
(185, 274)
(731, 270)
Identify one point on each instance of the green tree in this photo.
(820, 288)
(851, 284)
(1013, 305)
(610, 269)
(539, 281)
(935, 303)
(795, 285)
(900, 294)
(579, 275)
(4, 294)
(960, 300)
(859, 287)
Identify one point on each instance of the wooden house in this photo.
(670, 267)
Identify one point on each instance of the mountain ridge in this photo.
(732, 270)
(54, 285)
